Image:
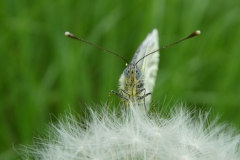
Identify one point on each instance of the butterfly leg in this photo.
(143, 97)
(119, 94)
(123, 95)
(108, 100)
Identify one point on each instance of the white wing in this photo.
(149, 65)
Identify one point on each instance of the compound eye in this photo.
(138, 73)
(127, 72)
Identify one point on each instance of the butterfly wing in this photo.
(149, 65)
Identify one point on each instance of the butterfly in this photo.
(138, 79)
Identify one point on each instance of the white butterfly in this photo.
(138, 79)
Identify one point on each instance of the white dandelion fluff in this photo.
(134, 135)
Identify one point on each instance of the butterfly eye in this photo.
(127, 72)
(138, 73)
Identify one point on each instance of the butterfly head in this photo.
(132, 72)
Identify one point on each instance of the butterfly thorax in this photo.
(132, 84)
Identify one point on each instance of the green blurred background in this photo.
(44, 73)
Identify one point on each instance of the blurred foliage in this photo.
(43, 73)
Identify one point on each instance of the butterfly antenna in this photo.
(190, 36)
(68, 34)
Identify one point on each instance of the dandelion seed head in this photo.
(135, 135)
